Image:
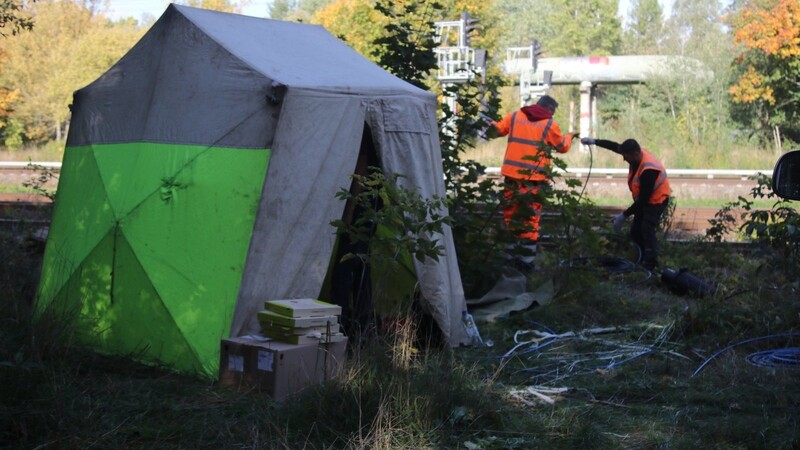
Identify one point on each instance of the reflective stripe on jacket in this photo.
(529, 144)
(661, 189)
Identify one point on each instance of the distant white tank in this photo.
(590, 71)
(607, 69)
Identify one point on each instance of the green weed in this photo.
(395, 394)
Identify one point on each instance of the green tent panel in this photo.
(81, 218)
(113, 311)
(176, 237)
(157, 166)
(192, 240)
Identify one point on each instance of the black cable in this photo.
(611, 264)
(624, 239)
(588, 174)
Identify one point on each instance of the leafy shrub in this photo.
(394, 224)
(777, 228)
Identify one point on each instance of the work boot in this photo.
(525, 260)
(530, 249)
(526, 267)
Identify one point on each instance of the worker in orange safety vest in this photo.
(533, 134)
(649, 186)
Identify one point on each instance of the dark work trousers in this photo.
(643, 232)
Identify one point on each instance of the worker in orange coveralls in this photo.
(532, 136)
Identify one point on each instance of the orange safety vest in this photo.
(526, 156)
(661, 189)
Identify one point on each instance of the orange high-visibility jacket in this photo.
(661, 190)
(527, 152)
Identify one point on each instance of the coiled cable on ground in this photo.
(748, 341)
(786, 358)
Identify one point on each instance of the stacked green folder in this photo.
(301, 321)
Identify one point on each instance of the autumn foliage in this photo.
(7, 96)
(357, 22)
(770, 26)
(768, 30)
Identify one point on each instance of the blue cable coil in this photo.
(784, 352)
(786, 358)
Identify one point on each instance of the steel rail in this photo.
(20, 165)
(683, 173)
(495, 171)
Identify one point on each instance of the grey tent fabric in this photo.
(297, 55)
(186, 88)
(413, 148)
(293, 239)
(510, 294)
(208, 78)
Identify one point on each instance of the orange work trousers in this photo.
(521, 211)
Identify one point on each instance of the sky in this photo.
(137, 8)
(258, 8)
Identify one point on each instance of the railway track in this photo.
(600, 184)
(36, 209)
(687, 185)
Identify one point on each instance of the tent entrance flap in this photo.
(372, 280)
(347, 280)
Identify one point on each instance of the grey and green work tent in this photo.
(199, 180)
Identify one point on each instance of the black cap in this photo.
(547, 102)
(629, 146)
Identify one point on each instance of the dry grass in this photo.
(397, 393)
(50, 152)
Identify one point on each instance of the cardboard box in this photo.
(277, 368)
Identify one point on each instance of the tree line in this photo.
(52, 47)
